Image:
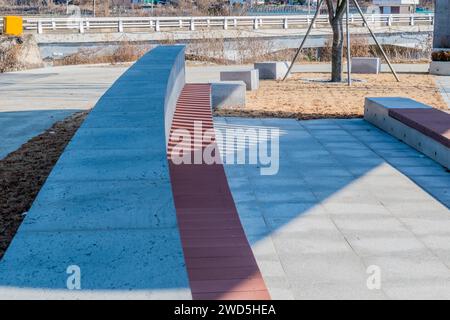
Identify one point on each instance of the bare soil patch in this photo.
(24, 171)
(301, 98)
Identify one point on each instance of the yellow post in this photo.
(12, 25)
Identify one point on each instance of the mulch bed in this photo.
(24, 171)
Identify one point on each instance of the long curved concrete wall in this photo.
(107, 207)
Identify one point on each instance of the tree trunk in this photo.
(337, 50)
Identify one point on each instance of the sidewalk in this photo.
(33, 100)
(444, 83)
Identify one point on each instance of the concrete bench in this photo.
(422, 127)
(272, 70)
(230, 94)
(108, 205)
(366, 65)
(250, 78)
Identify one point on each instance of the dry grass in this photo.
(8, 58)
(126, 52)
(300, 98)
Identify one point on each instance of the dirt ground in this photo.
(24, 171)
(304, 96)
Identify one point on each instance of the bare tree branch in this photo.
(340, 10)
(330, 10)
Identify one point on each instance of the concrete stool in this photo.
(250, 78)
(414, 123)
(272, 70)
(366, 65)
(230, 94)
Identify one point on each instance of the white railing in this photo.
(156, 24)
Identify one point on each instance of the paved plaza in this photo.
(347, 196)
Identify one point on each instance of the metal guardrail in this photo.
(156, 24)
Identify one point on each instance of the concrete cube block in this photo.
(250, 78)
(228, 94)
(366, 65)
(376, 111)
(272, 70)
(440, 68)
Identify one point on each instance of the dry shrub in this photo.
(441, 55)
(125, 52)
(307, 54)
(208, 49)
(8, 58)
(359, 47)
(19, 53)
(249, 50)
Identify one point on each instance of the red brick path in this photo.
(219, 259)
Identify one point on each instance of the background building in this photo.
(442, 24)
(396, 6)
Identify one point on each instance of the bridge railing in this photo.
(156, 24)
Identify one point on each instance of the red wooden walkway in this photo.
(431, 122)
(219, 259)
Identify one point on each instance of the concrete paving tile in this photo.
(409, 268)
(442, 193)
(324, 172)
(285, 123)
(434, 182)
(287, 209)
(271, 268)
(412, 172)
(307, 153)
(264, 183)
(431, 226)
(332, 138)
(336, 291)
(310, 242)
(414, 209)
(255, 226)
(281, 294)
(302, 224)
(335, 146)
(305, 164)
(355, 153)
(347, 195)
(331, 183)
(375, 139)
(326, 267)
(363, 224)
(436, 289)
(284, 193)
(263, 247)
(249, 209)
(400, 153)
(276, 282)
(330, 132)
(391, 146)
(384, 242)
(334, 208)
(410, 162)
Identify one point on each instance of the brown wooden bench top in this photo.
(433, 123)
